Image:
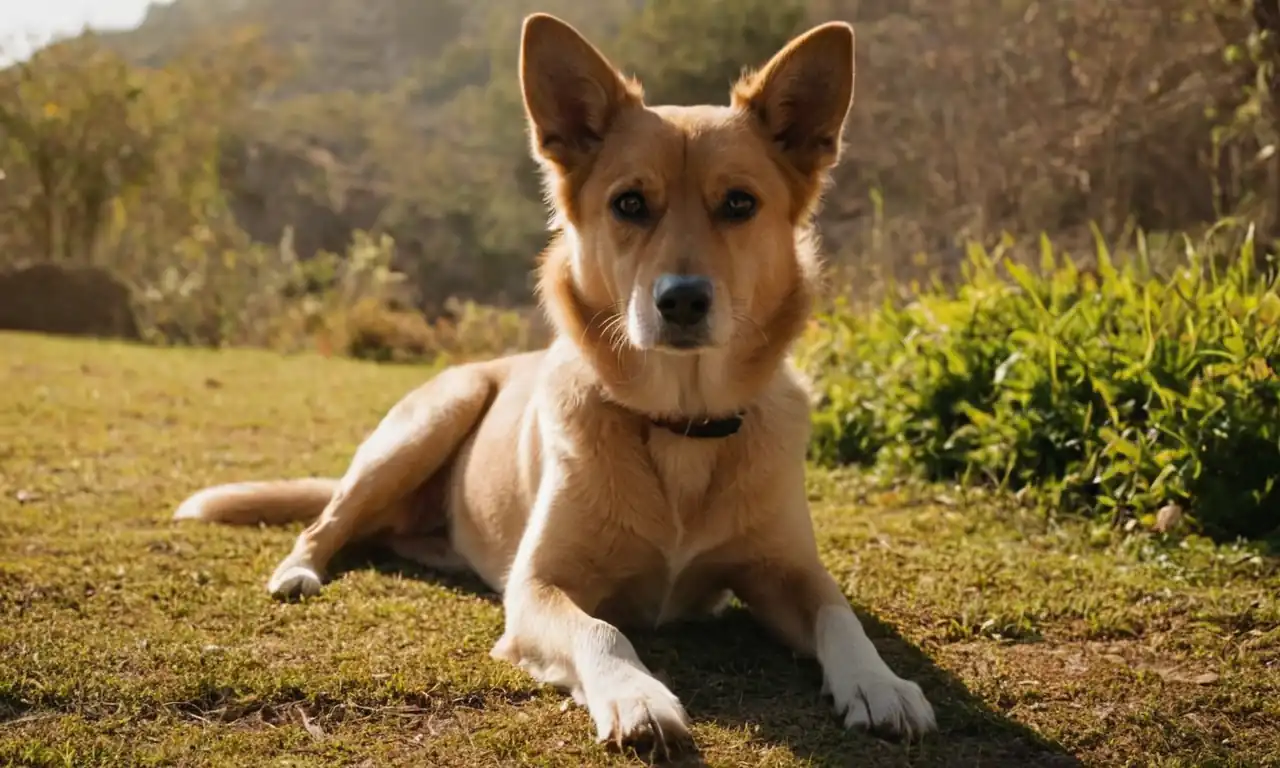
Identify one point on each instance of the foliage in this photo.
(691, 53)
(405, 119)
(468, 331)
(1121, 389)
(1246, 138)
(104, 161)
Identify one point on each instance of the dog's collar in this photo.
(702, 428)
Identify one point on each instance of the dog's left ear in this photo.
(571, 92)
(802, 96)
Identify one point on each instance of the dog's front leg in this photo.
(803, 604)
(558, 579)
(552, 638)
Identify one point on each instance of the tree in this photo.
(87, 140)
(73, 121)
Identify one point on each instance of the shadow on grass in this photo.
(731, 672)
(361, 557)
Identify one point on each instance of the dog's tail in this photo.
(272, 502)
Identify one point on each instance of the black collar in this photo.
(702, 428)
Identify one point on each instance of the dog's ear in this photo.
(802, 96)
(571, 91)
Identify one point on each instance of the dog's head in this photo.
(684, 247)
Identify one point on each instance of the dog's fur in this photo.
(550, 475)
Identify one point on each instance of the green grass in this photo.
(126, 639)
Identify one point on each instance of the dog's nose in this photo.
(682, 300)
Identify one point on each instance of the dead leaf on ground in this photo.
(315, 730)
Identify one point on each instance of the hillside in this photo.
(970, 121)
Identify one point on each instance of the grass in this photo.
(127, 639)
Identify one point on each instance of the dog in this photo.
(648, 464)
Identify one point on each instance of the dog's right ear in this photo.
(571, 91)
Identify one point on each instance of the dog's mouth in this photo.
(683, 340)
(680, 341)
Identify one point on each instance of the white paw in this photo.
(292, 580)
(867, 693)
(630, 706)
(881, 701)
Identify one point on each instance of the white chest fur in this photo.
(686, 468)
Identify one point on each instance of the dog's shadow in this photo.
(731, 672)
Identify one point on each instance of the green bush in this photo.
(1119, 389)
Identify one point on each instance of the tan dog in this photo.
(650, 462)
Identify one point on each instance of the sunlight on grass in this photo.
(126, 639)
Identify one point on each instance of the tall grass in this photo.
(1121, 389)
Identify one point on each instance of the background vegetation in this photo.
(352, 177)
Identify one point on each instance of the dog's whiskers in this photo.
(742, 318)
(614, 334)
(586, 328)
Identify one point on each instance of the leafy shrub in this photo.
(352, 305)
(1119, 389)
(472, 330)
(377, 332)
(218, 288)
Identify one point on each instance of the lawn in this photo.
(126, 639)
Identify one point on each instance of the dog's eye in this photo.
(631, 206)
(738, 206)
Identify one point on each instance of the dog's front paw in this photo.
(631, 707)
(881, 701)
(292, 580)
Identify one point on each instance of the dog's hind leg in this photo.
(414, 440)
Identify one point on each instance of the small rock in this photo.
(1168, 518)
(1208, 678)
(26, 497)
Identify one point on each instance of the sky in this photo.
(28, 24)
